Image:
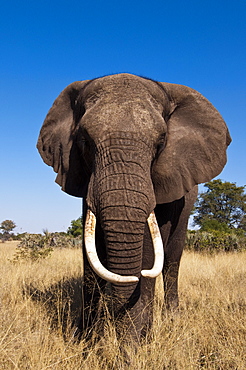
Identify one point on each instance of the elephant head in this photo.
(126, 144)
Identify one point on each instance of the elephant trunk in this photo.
(122, 196)
(123, 220)
(123, 227)
(123, 200)
(105, 274)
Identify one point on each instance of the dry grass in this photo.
(36, 303)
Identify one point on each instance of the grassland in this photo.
(38, 301)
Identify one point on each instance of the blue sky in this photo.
(45, 45)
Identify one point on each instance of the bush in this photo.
(215, 241)
(214, 225)
(36, 246)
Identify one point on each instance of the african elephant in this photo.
(129, 146)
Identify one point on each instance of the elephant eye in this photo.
(85, 145)
(82, 144)
(159, 148)
(87, 152)
(160, 145)
(84, 141)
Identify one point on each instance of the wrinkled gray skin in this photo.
(129, 145)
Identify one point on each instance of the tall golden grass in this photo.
(38, 301)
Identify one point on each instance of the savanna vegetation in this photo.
(41, 298)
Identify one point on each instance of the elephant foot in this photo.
(171, 302)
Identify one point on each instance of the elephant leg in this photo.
(134, 318)
(93, 289)
(147, 285)
(170, 279)
(147, 304)
(173, 219)
(126, 312)
(92, 311)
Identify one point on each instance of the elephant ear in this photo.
(57, 145)
(195, 151)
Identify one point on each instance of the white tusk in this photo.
(90, 247)
(158, 248)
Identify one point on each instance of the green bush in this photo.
(215, 241)
(36, 246)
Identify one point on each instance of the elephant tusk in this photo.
(158, 248)
(96, 265)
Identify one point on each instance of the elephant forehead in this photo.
(124, 102)
(127, 116)
(135, 111)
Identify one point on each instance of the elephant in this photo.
(135, 150)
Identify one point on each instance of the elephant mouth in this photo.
(100, 270)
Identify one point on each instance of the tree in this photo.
(7, 226)
(76, 227)
(242, 224)
(222, 207)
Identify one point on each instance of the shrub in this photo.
(215, 241)
(36, 246)
(32, 247)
